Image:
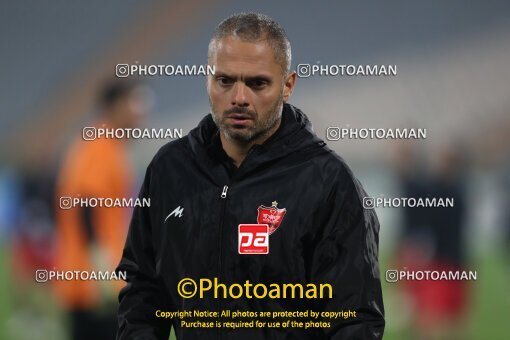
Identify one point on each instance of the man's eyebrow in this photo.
(259, 77)
(223, 74)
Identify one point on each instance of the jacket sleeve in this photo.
(346, 256)
(144, 292)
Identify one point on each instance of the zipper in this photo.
(223, 197)
(224, 192)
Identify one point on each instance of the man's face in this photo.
(248, 89)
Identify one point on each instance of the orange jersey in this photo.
(98, 168)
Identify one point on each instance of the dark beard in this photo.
(258, 130)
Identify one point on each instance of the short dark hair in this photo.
(255, 27)
(111, 92)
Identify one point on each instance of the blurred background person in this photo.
(91, 239)
(433, 239)
(28, 246)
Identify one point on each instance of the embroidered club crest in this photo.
(272, 216)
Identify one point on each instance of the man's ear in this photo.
(288, 85)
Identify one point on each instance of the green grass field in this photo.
(489, 305)
(29, 311)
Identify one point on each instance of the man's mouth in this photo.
(239, 118)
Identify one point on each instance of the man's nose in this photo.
(239, 95)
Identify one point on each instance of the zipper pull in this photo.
(224, 192)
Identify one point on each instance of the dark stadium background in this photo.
(453, 79)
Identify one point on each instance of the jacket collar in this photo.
(295, 133)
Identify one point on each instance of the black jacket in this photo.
(198, 200)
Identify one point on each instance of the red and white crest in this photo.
(272, 216)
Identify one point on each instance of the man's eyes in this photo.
(225, 81)
(256, 84)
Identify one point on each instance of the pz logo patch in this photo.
(253, 239)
